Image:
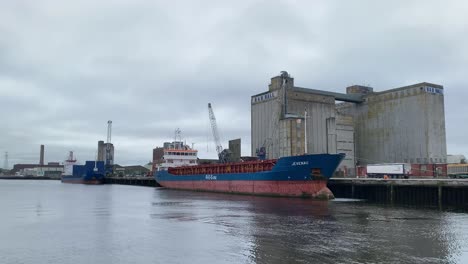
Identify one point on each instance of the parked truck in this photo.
(457, 171)
(390, 170)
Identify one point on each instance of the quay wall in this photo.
(427, 192)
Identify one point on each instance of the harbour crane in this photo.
(224, 155)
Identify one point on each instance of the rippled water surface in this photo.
(51, 222)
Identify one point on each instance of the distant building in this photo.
(18, 167)
(131, 171)
(235, 149)
(158, 154)
(52, 169)
(456, 159)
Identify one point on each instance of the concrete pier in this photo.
(431, 192)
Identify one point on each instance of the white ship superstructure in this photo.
(68, 164)
(178, 154)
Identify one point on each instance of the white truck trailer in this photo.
(391, 170)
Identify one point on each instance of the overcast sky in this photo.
(66, 67)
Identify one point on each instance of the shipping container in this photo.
(457, 170)
(391, 170)
(88, 168)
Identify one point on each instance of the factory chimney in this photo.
(41, 157)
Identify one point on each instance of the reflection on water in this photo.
(50, 222)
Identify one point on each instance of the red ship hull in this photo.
(313, 189)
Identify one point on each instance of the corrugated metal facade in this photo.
(345, 144)
(266, 113)
(400, 125)
(262, 124)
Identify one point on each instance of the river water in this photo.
(51, 222)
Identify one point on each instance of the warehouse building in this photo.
(405, 124)
(52, 169)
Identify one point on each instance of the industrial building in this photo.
(456, 159)
(405, 124)
(235, 150)
(51, 169)
(102, 150)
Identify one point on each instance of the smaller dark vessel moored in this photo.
(92, 172)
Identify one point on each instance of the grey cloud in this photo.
(68, 67)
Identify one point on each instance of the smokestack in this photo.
(41, 158)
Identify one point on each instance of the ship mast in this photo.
(95, 163)
(70, 157)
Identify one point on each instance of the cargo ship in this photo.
(294, 176)
(92, 172)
